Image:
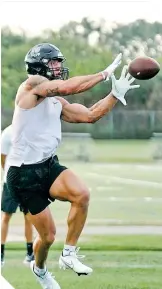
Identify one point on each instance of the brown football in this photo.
(143, 67)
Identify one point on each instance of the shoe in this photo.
(28, 259)
(71, 261)
(47, 281)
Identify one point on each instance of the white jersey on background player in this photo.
(6, 146)
(8, 205)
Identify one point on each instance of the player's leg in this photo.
(68, 187)
(29, 184)
(29, 240)
(44, 224)
(4, 226)
(28, 230)
(8, 207)
(4, 231)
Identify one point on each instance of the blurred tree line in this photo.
(89, 47)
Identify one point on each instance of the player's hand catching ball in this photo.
(112, 67)
(122, 85)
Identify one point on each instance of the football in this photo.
(143, 67)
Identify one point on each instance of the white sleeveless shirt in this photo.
(36, 132)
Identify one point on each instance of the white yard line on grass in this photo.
(128, 199)
(96, 175)
(136, 182)
(149, 167)
(109, 179)
(107, 188)
(129, 166)
(135, 266)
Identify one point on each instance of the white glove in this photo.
(122, 85)
(111, 68)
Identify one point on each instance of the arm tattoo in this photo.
(52, 92)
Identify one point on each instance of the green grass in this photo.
(119, 262)
(108, 243)
(130, 184)
(112, 270)
(108, 150)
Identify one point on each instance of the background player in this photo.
(9, 206)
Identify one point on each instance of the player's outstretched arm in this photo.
(79, 113)
(75, 84)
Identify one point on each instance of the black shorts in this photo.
(29, 184)
(8, 204)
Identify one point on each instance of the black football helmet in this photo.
(38, 57)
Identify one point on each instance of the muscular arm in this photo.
(73, 85)
(38, 87)
(3, 159)
(32, 92)
(78, 113)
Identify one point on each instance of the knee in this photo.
(49, 238)
(83, 197)
(6, 218)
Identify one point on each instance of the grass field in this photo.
(129, 151)
(106, 243)
(126, 189)
(127, 194)
(115, 265)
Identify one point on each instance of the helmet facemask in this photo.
(58, 72)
